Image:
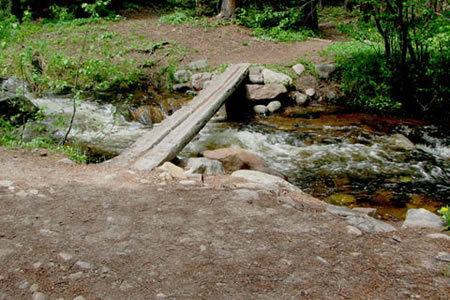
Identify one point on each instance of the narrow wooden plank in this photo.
(164, 142)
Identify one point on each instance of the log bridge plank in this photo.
(164, 142)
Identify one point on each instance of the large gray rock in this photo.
(13, 86)
(275, 77)
(299, 69)
(273, 106)
(201, 165)
(197, 65)
(261, 92)
(422, 218)
(369, 224)
(324, 70)
(182, 75)
(199, 79)
(264, 178)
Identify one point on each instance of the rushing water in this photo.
(351, 159)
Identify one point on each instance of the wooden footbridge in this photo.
(164, 142)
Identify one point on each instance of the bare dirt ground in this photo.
(70, 230)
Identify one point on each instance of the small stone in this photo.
(11, 188)
(286, 261)
(310, 92)
(39, 296)
(256, 78)
(443, 256)
(106, 205)
(66, 161)
(161, 296)
(299, 69)
(79, 298)
(37, 265)
(111, 176)
(173, 170)
(24, 285)
(298, 97)
(396, 238)
(83, 265)
(33, 192)
(198, 80)
(75, 276)
(331, 95)
(366, 210)
(187, 182)
(260, 109)
(442, 236)
(182, 75)
(255, 70)
(322, 260)
(369, 224)
(275, 77)
(34, 288)
(65, 256)
(274, 106)
(324, 70)
(125, 286)
(6, 183)
(353, 230)
(2, 277)
(202, 248)
(22, 194)
(165, 176)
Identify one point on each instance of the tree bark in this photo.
(227, 10)
(15, 8)
(311, 21)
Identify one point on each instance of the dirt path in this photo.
(70, 230)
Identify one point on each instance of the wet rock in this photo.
(369, 224)
(199, 79)
(173, 170)
(298, 97)
(401, 142)
(340, 210)
(201, 165)
(273, 106)
(182, 76)
(264, 178)
(246, 195)
(443, 256)
(341, 199)
(267, 91)
(234, 159)
(260, 109)
(353, 230)
(324, 70)
(39, 296)
(125, 286)
(181, 87)
(299, 69)
(275, 77)
(197, 65)
(422, 218)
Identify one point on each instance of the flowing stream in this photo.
(345, 158)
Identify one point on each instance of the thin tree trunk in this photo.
(227, 10)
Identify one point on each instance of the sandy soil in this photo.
(70, 230)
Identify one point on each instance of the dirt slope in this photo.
(114, 234)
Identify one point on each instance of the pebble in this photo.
(65, 256)
(34, 287)
(75, 276)
(111, 176)
(439, 236)
(202, 248)
(310, 92)
(24, 285)
(79, 298)
(443, 256)
(39, 296)
(125, 286)
(37, 265)
(286, 261)
(83, 265)
(11, 188)
(6, 183)
(187, 182)
(22, 194)
(33, 192)
(161, 296)
(322, 260)
(2, 277)
(144, 181)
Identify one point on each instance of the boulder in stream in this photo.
(261, 92)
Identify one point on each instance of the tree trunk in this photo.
(227, 9)
(15, 8)
(310, 20)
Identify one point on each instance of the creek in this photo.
(344, 158)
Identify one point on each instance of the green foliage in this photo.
(61, 13)
(445, 214)
(96, 9)
(268, 24)
(190, 17)
(10, 136)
